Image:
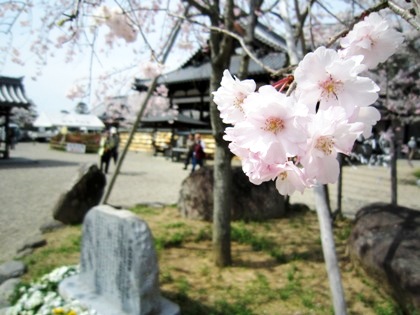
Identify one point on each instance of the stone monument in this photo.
(119, 272)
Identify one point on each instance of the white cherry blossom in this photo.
(272, 125)
(230, 96)
(322, 76)
(290, 179)
(373, 38)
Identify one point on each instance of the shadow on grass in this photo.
(192, 307)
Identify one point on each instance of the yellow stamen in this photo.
(330, 87)
(325, 144)
(282, 175)
(274, 125)
(239, 101)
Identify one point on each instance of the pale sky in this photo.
(49, 90)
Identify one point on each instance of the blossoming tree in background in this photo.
(399, 83)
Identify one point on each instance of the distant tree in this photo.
(24, 117)
(82, 108)
(399, 103)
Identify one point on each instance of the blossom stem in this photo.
(328, 248)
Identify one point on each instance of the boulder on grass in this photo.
(249, 201)
(385, 241)
(85, 192)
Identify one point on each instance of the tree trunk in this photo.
(222, 188)
(393, 167)
(221, 52)
(222, 201)
(339, 212)
(328, 248)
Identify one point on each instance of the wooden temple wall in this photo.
(143, 141)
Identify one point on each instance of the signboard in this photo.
(76, 147)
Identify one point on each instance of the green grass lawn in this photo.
(277, 266)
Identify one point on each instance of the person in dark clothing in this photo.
(114, 144)
(190, 146)
(198, 153)
(105, 151)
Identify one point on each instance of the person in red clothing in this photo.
(198, 152)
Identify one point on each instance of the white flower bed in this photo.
(42, 297)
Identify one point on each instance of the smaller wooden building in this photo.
(12, 94)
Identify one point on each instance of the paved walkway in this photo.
(364, 184)
(35, 176)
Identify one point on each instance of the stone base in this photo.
(74, 288)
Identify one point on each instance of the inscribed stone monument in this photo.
(119, 269)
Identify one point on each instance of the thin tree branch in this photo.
(241, 42)
(330, 13)
(376, 8)
(150, 90)
(406, 15)
(199, 7)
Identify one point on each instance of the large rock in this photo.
(85, 192)
(385, 240)
(250, 202)
(119, 272)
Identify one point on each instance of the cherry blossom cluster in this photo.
(151, 70)
(117, 21)
(294, 139)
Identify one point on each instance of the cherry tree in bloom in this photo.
(76, 91)
(117, 21)
(373, 38)
(151, 69)
(294, 139)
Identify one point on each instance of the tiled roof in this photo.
(262, 33)
(268, 37)
(12, 93)
(203, 71)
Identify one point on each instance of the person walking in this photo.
(190, 146)
(114, 144)
(198, 152)
(412, 147)
(105, 151)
